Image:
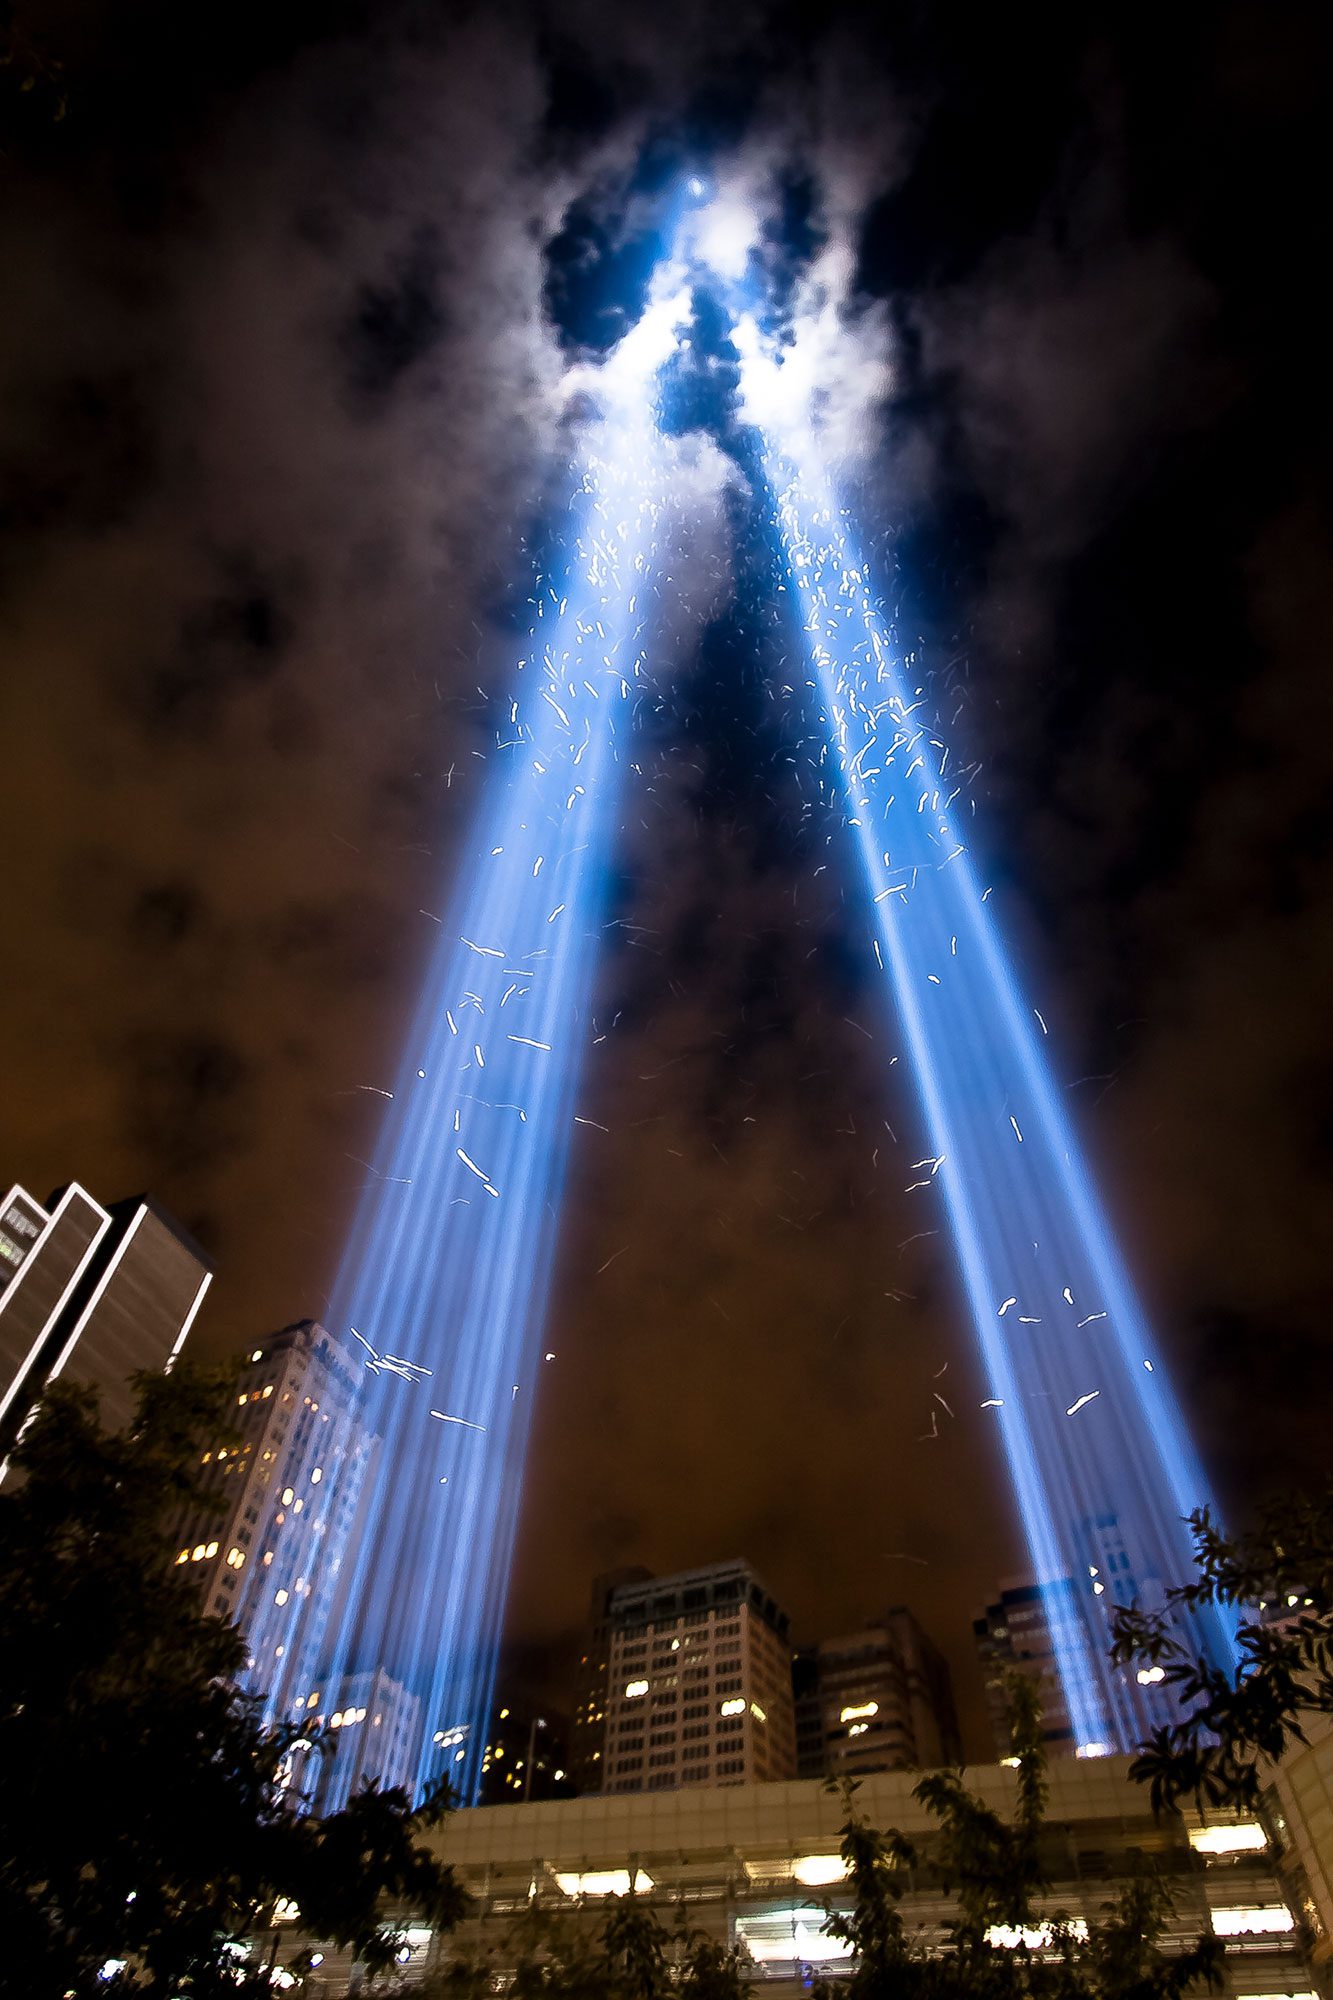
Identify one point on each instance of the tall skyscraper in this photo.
(373, 1733)
(698, 1683)
(587, 1734)
(524, 1758)
(1014, 1635)
(878, 1700)
(287, 1487)
(1039, 1631)
(90, 1293)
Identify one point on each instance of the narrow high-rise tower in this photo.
(879, 1699)
(698, 1683)
(93, 1294)
(287, 1484)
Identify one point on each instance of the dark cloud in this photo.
(188, 1097)
(164, 915)
(396, 324)
(290, 306)
(234, 644)
(336, 942)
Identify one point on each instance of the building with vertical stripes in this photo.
(92, 1294)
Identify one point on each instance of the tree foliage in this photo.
(144, 1816)
(1231, 1722)
(630, 1955)
(32, 81)
(992, 1867)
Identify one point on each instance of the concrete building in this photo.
(1297, 1818)
(587, 1731)
(524, 1757)
(1014, 1635)
(374, 1729)
(92, 1294)
(757, 1864)
(878, 1700)
(698, 1683)
(286, 1488)
(1019, 1631)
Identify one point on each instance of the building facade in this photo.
(698, 1687)
(373, 1732)
(759, 1866)
(285, 1487)
(587, 1729)
(1013, 1635)
(1029, 1627)
(524, 1756)
(93, 1294)
(877, 1700)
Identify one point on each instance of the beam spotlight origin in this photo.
(1102, 1467)
(443, 1287)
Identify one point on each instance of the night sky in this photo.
(282, 434)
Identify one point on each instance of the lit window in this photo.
(814, 1871)
(855, 1713)
(758, 1713)
(1149, 1676)
(314, 1700)
(633, 1689)
(790, 1934)
(604, 1882)
(316, 1475)
(1035, 1939)
(211, 1550)
(279, 1597)
(733, 1707)
(288, 1495)
(258, 1354)
(1253, 1920)
(199, 1553)
(1243, 1837)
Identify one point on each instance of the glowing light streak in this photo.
(429, 1265)
(1017, 1196)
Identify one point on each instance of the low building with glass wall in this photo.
(757, 1864)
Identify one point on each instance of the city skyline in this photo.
(1063, 410)
(302, 1421)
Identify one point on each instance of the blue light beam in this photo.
(1101, 1463)
(443, 1286)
